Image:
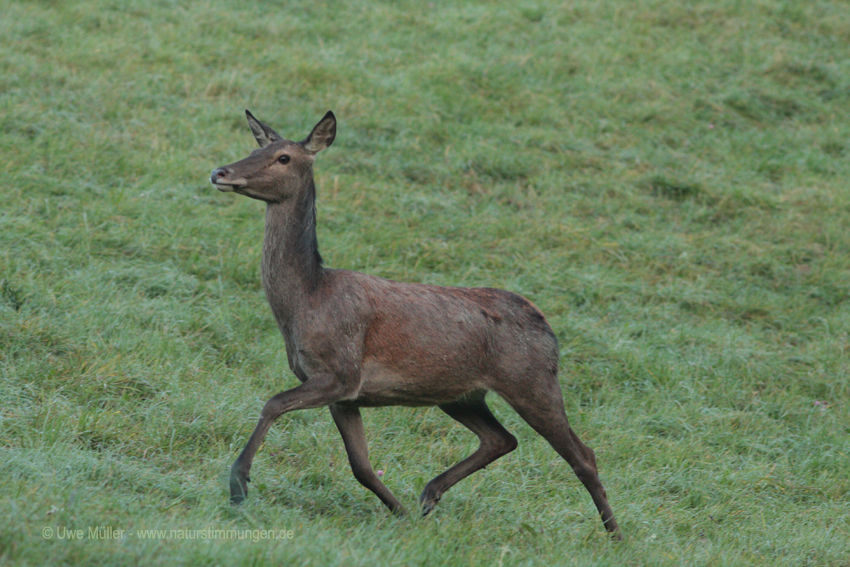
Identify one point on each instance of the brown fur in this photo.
(357, 340)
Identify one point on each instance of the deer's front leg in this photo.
(320, 390)
(350, 425)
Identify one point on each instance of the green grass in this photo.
(667, 181)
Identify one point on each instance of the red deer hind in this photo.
(355, 340)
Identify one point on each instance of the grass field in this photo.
(667, 181)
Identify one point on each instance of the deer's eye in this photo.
(283, 159)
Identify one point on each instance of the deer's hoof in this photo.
(399, 512)
(238, 488)
(428, 504)
(429, 498)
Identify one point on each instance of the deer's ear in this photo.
(262, 133)
(323, 134)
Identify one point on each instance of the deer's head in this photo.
(280, 169)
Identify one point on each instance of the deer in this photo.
(355, 340)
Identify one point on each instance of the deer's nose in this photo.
(218, 174)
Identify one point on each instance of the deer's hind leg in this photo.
(495, 441)
(541, 405)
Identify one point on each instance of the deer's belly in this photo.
(381, 385)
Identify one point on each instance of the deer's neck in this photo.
(292, 265)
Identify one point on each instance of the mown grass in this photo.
(667, 181)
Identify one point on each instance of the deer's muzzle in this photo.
(222, 180)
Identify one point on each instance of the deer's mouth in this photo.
(227, 187)
(223, 181)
